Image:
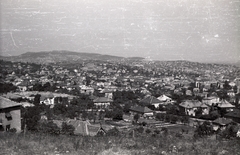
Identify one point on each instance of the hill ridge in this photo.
(56, 56)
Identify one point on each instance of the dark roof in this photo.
(6, 103)
(235, 113)
(141, 109)
(222, 121)
(150, 100)
(24, 83)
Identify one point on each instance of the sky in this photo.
(194, 30)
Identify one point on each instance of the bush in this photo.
(144, 123)
(167, 118)
(203, 130)
(48, 127)
(164, 130)
(140, 129)
(67, 129)
(156, 131)
(148, 131)
(174, 119)
(160, 116)
(113, 132)
(229, 132)
(12, 130)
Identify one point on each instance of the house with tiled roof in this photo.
(165, 99)
(221, 123)
(10, 115)
(108, 92)
(102, 102)
(47, 98)
(24, 85)
(150, 100)
(190, 107)
(141, 110)
(223, 104)
(210, 100)
(86, 89)
(83, 128)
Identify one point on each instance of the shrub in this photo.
(164, 130)
(167, 118)
(173, 119)
(203, 130)
(179, 135)
(230, 131)
(12, 130)
(136, 117)
(144, 123)
(48, 127)
(148, 131)
(67, 129)
(160, 116)
(140, 129)
(156, 131)
(113, 132)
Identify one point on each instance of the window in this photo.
(8, 127)
(1, 127)
(8, 116)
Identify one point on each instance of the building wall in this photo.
(103, 105)
(14, 122)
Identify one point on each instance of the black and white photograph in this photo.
(119, 77)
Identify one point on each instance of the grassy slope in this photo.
(142, 144)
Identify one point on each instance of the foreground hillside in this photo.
(120, 145)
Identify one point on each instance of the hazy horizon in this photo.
(193, 30)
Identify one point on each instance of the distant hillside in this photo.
(62, 56)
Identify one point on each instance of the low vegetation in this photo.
(139, 141)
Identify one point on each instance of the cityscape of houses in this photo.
(95, 96)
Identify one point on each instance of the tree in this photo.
(31, 117)
(235, 89)
(160, 116)
(173, 119)
(67, 129)
(118, 114)
(37, 87)
(203, 130)
(140, 129)
(84, 115)
(36, 101)
(226, 85)
(48, 127)
(136, 117)
(198, 112)
(47, 86)
(113, 132)
(7, 87)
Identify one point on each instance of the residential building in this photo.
(210, 100)
(150, 100)
(142, 111)
(10, 115)
(190, 107)
(102, 102)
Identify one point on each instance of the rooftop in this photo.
(6, 103)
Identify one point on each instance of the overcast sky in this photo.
(195, 30)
